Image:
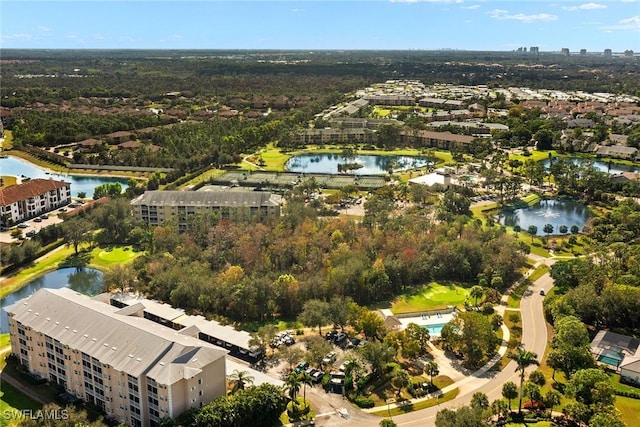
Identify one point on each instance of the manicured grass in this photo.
(8, 140)
(49, 263)
(203, 177)
(483, 211)
(629, 409)
(8, 180)
(101, 259)
(516, 294)
(12, 400)
(107, 257)
(450, 395)
(430, 297)
(539, 272)
(535, 155)
(5, 341)
(614, 379)
(531, 199)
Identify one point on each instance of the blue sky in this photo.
(331, 24)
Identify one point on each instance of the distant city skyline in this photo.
(315, 25)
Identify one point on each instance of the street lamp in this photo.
(389, 401)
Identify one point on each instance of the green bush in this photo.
(364, 402)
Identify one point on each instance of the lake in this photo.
(602, 166)
(370, 164)
(554, 212)
(15, 166)
(84, 280)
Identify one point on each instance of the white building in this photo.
(31, 199)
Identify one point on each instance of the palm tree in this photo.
(431, 368)
(509, 391)
(400, 380)
(476, 292)
(240, 379)
(305, 379)
(293, 383)
(523, 358)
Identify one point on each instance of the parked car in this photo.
(23, 225)
(542, 292)
(329, 358)
(44, 216)
(316, 377)
(302, 366)
(31, 233)
(37, 220)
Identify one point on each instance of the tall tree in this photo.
(315, 313)
(76, 231)
(432, 369)
(509, 391)
(240, 379)
(523, 359)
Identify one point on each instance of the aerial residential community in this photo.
(282, 228)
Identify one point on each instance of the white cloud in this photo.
(43, 28)
(504, 14)
(297, 10)
(472, 7)
(585, 6)
(17, 36)
(632, 24)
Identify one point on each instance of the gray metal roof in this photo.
(208, 198)
(193, 324)
(128, 343)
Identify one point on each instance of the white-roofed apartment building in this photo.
(136, 370)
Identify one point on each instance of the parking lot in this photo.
(33, 225)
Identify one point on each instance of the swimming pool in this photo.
(434, 330)
(611, 358)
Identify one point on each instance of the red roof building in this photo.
(32, 198)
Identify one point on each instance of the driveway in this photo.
(5, 236)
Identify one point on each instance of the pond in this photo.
(366, 164)
(15, 166)
(554, 212)
(608, 167)
(84, 280)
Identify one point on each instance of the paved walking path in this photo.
(467, 382)
(470, 381)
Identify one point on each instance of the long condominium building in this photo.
(134, 369)
(154, 207)
(34, 197)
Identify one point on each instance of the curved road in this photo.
(534, 338)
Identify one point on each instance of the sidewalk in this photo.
(468, 382)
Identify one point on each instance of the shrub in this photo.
(364, 402)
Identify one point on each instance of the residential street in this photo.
(534, 338)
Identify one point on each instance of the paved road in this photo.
(534, 338)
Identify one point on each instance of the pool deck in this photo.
(422, 320)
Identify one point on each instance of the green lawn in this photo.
(535, 155)
(107, 257)
(5, 341)
(101, 258)
(430, 297)
(8, 140)
(450, 395)
(12, 400)
(629, 409)
(50, 263)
